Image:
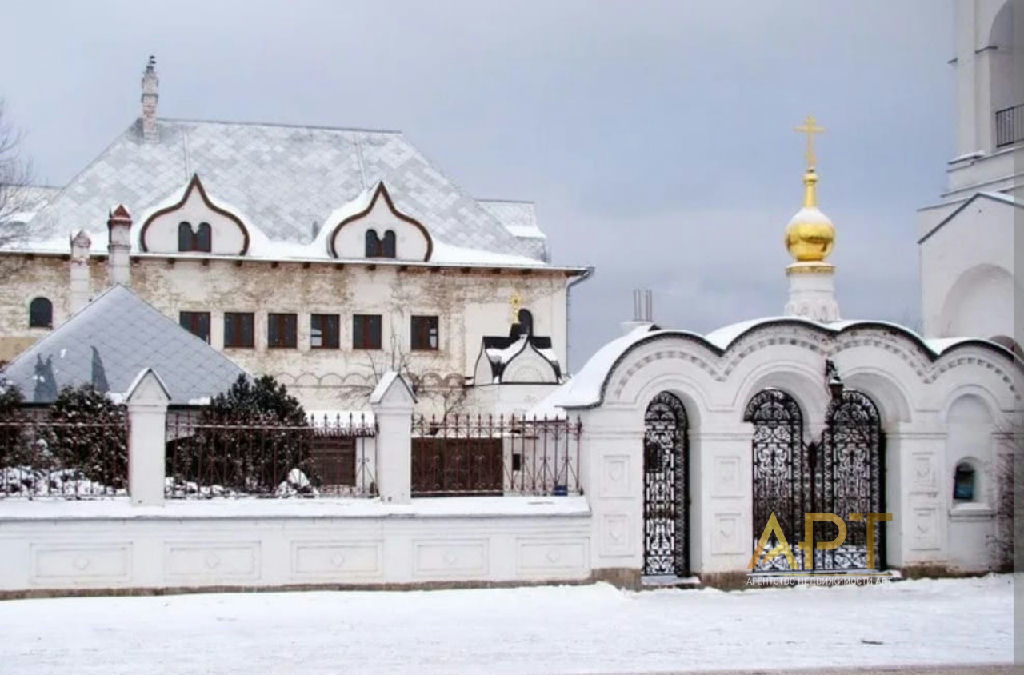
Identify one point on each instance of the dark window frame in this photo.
(367, 331)
(199, 240)
(194, 322)
(282, 330)
(424, 333)
(965, 482)
(40, 312)
(380, 247)
(235, 330)
(329, 331)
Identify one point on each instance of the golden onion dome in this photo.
(810, 235)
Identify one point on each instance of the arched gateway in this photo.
(666, 497)
(842, 474)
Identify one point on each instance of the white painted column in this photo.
(611, 475)
(721, 518)
(392, 403)
(147, 424)
(914, 483)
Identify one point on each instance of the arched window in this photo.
(204, 238)
(199, 240)
(184, 236)
(388, 245)
(40, 313)
(372, 244)
(964, 483)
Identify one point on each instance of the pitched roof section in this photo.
(994, 196)
(286, 180)
(113, 339)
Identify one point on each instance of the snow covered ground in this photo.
(525, 630)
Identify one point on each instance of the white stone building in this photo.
(322, 256)
(967, 239)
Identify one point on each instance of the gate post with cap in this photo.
(147, 400)
(392, 403)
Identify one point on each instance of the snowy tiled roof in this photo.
(109, 342)
(520, 219)
(286, 179)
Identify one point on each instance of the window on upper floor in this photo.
(323, 331)
(199, 239)
(282, 331)
(378, 247)
(197, 323)
(423, 332)
(40, 313)
(366, 331)
(964, 483)
(238, 330)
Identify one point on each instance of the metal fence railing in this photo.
(1009, 125)
(232, 456)
(488, 455)
(45, 457)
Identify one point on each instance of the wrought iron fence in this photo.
(467, 455)
(71, 459)
(1010, 125)
(211, 455)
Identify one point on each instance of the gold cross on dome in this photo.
(515, 303)
(810, 127)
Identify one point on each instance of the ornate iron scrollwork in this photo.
(851, 478)
(843, 474)
(666, 542)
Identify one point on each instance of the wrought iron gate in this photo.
(666, 497)
(843, 474)
(851, 479)
(782, 475)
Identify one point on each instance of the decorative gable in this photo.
(194, 224)
(379, 230)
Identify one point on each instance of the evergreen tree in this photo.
(253, 438)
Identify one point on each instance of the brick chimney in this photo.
(150, 84)
(119, 226)
(79, 271)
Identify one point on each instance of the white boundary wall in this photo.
(54, 546)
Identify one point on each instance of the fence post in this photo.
(392, 402)
(147, 428)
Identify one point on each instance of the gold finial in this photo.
(810, 235)
(515, 303)
(810, 127)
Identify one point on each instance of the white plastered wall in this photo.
(967, 267)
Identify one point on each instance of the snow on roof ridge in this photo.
(282, 125)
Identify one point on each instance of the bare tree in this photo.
(15, 174)
(447, 394)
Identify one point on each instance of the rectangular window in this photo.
(197, 323)
(423, 332)
(238, 330)
(323, 331)
(282, 331)
(366, 333)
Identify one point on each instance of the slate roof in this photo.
(284, 180)
(109, 342)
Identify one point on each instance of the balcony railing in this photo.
(1010, 125)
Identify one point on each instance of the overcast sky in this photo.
(656, 138)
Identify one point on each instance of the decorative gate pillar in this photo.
(147, 433)
(611, 475)
(392, 403)
(721, 505)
